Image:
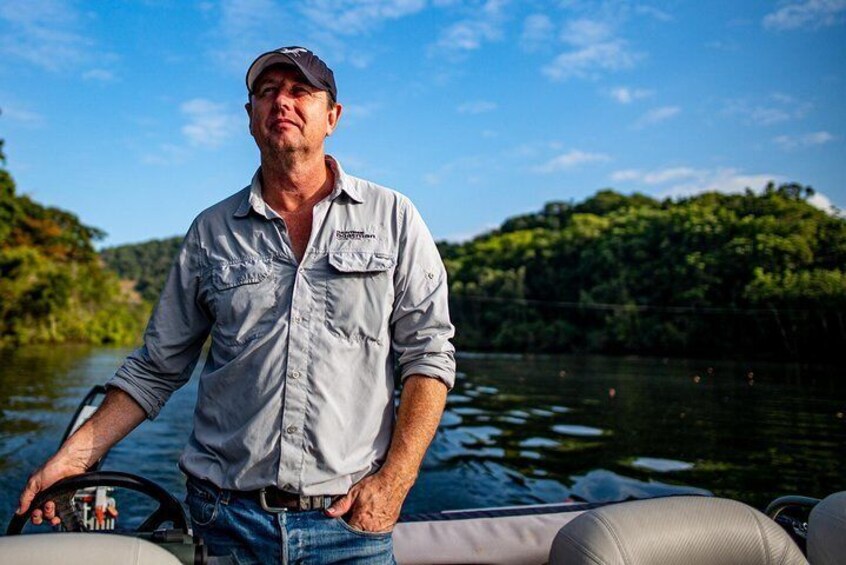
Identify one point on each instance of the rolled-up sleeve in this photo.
(174, 336)
(421, 328)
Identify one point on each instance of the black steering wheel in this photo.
(791, 513)
(61, 493)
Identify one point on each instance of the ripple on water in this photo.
(450, 419)
(577, 431)
(538, 442)
(458, 398)
(512, 420)
(661, 465)
(468, 411)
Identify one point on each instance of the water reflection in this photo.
(661, 465)
(578, 426)
(517, 430)
(578, 431)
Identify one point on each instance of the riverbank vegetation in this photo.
(53, 286)
(755, 275)
(752, 275)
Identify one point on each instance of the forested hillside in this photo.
(146, 264)
(53, 286)
(753, 275)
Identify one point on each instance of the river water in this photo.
(517, 429)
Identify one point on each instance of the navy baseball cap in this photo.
(313, 69)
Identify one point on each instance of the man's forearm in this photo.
(118, 415)
(421, 406)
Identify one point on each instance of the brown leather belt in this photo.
(273, 499)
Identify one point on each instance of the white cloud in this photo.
(477, 107)
(626, 175)
(570, 160)
(626, 95)
(804, 140)
(657, 115)
(806, 14)
(590, 60)
(774, 109)
(22, 116)
(43, 33)
(537, 32)
(353, 17)
(585, 32)
(483, 25)
(98, 74)
(243, 31)
(653, 12)
(659, 176)
(596, 46)
(822, 202)
(687, 181)
(209, 124)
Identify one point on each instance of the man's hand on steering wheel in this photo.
(55, 469)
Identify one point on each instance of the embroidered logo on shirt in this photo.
(354, 234)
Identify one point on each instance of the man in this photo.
(313, 284)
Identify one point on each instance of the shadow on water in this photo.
(517, 430)
(541, 429)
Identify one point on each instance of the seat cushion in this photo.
(689, 530)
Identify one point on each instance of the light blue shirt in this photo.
(298, 386)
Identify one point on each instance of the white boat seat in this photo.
(682, 529)
(81, 549)
(827, 531)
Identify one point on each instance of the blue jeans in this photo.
(235, 526)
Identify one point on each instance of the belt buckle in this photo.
(305, 502)
(266, 507)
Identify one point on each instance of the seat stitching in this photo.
(760, 532)
(613, 532)
(582, 548)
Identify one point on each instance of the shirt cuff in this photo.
(147, 402)
(440, 366)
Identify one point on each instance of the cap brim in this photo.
(276, 58)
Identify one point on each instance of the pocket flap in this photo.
(360, 261)
(229, 276)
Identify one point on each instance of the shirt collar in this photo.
(255, 201)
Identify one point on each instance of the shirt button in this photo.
(298, 319)
(430, 275)
(291, 429)
(295, 375)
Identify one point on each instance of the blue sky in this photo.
(130, 113)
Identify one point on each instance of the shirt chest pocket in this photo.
(244, 299)
(359, 294)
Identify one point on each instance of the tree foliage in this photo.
(53, 286)
(753, 274)
(147, 264)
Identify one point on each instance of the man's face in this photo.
(287, 114)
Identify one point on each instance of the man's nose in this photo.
(284, 99)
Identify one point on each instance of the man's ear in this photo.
(333, 118)
(249, 108)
